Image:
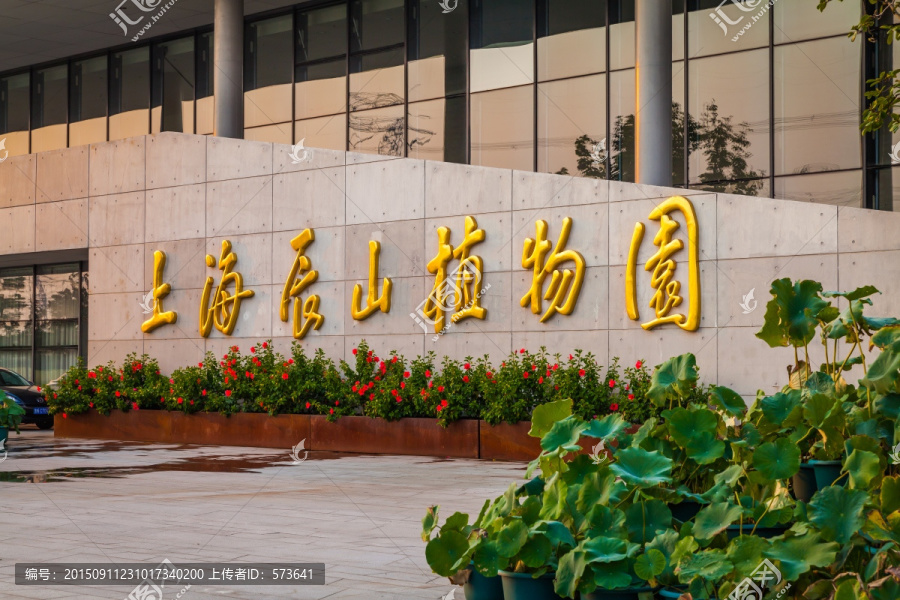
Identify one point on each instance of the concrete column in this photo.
(653, 81)
(228, 63)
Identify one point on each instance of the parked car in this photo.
(36, 410)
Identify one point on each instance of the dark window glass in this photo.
(572, 126)
(565, 29)
(438, 50)
(324, 70)
(437, 130)
(50, 102)
(130, 89)
(621, 34)
(498, 23)
(89, 89)
(887, 187)
(14, 103)
(376, 80)
(817, 115)
(621, 128)
(173, 82)
(376, 24)
(269, 53)
(562, 16)
(321, 33)
(205, 70)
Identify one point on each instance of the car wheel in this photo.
(44, 423)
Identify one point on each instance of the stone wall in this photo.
(184, 194)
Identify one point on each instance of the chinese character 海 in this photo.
(225, 307)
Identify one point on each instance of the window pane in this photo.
(571, 38)
(750, 187)
(502, 128)
(622, 35)
(621, 128)
(377, 131)
(795, 21)
(729, 111)
(14, 103)
(57, 295)
(501, 41)
(816, 106)
(174, 83)
(888, 189)
(437, 51)
(841, 189)
(269, 53)
(50, 96)
(89, 89)
(572, 127)
(53, 363)
(57, 333)
(437, 130)
(324, 132)
(15, 334)
(205, 70)
(130, 81)
(16, 293)
(17, 360)
(376, 24)
(715, 26)
(321, 33)
(376, 80)
(321, 89)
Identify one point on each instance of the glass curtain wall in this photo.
(15, 113)
(268, 80)
(89, 96)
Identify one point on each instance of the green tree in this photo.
(726, 148)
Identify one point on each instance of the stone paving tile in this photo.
(360, 515)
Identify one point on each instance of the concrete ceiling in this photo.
(37, 31)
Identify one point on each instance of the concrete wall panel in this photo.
(538, 191)
(118, 167)
(175, 159)
(176, 213)
(236, 159)
(61, 225)
(405, 249)
(239, 206)
(452, 189)
(309, 198)
(63, 174)
(17, 180)
(19, 234)
(117, 219)
(496, 251)
(116, 269)
(385, 190)
(864, 230)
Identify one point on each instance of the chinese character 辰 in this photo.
(662, 266)
(306, 314)
(373, 303)
(565, 286)
(458, 291)
(225, 307)
(160, 291)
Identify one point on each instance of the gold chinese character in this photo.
(667, 293)
(160, 291)
(462, 287)
(372, 303)
(225, 308)
(564, 285)
(306, 314)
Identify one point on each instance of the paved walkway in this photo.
(113, 502)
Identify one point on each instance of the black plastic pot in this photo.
(734, 531)
(522, 586)
(814, 476)
(643, 593)
(480, 587)
(686, 510)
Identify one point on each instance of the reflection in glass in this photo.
(715, 26)
(796, 21)
(572, 127)
(16, 294)
(323, 132)
(760, 187)
(377, 131)
(621, 34)
(280, 133)
(321, 89)
(321, 33)
(437, 130)
(888, 188)
(376, 80)
(375, 24)
(58, 304)
(268, 72)
(15, 113)
(129, 100)
(48, 109)
(730, 120)
(816, 106)
(502, 131)
(437, 50)
(571, 38)
(841, 189)
(173, 93)
(88, 94)
(501, 38)
(205, 81)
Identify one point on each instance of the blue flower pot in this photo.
(522, 586)
(480, 587)
(814, 476)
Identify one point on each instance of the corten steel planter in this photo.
(416, 437)
(508, 442)
(257, 430)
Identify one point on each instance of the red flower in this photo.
(369, 353)
(430, 385)
(337, 402)
(631, 396)
(181, 401)
(284, 375)
(354, 352)
(525, 374)
(441, 388)
(556, 366)
(307, 405)
(427, 373)
(228, 393)
(54, 395)
(467, 366)
(353, 388)
(439, 408)
(203, 393)
(581, 372)
(444, 403)
(109, 379)
(614, 407)
(402, 385)
(638, 365)
(540, 380)
(522, 351)
(290, 361)
(91, 375)
(393, 359)
(79, 388)
(134, 406)
(330, 411)
(466, 378)
(91, 404)
(265, 344)
(118, 393)
(399, 399)
(394, 393)
(406, 373)
(376, 359)
(99, 369)
(192, 402)
(253, 349)
(372, 396)
(76, 381)
(612, 383)
(489, 375)
(65, 416)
